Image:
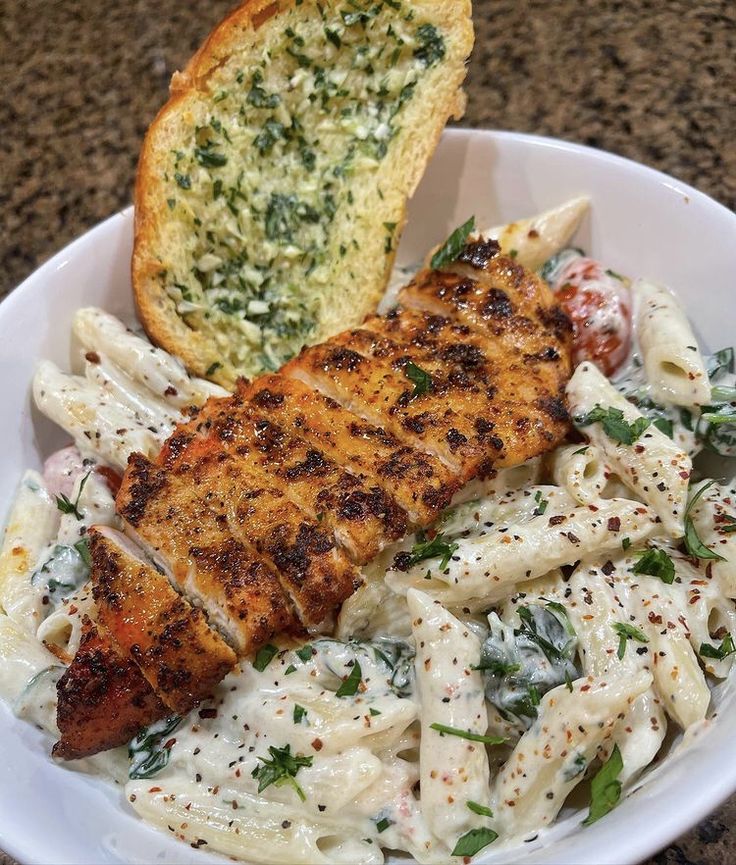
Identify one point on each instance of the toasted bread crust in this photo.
(189, 91)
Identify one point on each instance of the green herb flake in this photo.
(66, 506)
(213, 367)
(281, 769)
(334, 37)
(350, 685)
(305, 653)
(718, 653)
(625, 544)
(727, 525)
(183, 180)
(421, 380)
(453, 246)
(625, 633)
(209, 158)
(299, 713)
(444, 730)
(481, 810)
(264, 656)
(374, 712)
(437, 547)
(82, 547)
(664, 425)
(614, 425)
(656, 563)
(694, 546)
(541, 504)
(383, 824)
(605, 788)
(431, 47)
(513, 253)
(473, 842)
(289, 670)
(583, 450)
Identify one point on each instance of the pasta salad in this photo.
(553, 630)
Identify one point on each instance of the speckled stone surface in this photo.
(654, 81)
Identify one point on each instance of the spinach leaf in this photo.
(149, 751)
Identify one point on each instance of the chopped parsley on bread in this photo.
(272, 186)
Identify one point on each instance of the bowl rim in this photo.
(713, 787)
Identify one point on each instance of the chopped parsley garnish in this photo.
(299, 713)
(605, 788)
(541, 504)
(66, 506)
(213, 367)
(349, 687)
(625, 544)
(305, 653)
(614, 425)
(482, 810)
(281, 769)
(730, 524)
(718, 653)
(473, 842)
(208, 157)
(289, 670)
(693, 544)
(656, 563)
(665, 426)
(421, 380)
(498, 668)
(432, 46)
(183, 180)
(625, 633)
(383, 824)
(431, 549)
(443, 730)
(453, 246)
(264, 656)
(82, 547)
(582, 450)
(374, 712)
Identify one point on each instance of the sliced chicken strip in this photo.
(171, 517)
(476, 373)
(181, 657)
(363, 517)
(103, 699)
(420, 483)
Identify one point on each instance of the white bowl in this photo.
(642, 223)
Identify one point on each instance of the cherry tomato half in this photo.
(599, 306)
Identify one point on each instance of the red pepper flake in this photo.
(170, 744)
(92, 357)
(171, 391)
(317, 744)
(614, 524)
(655, 618)
(556, 521)
(154, 790)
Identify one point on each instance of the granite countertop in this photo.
(650, 80)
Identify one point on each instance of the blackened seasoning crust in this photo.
(479, 253)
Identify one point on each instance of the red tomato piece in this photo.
(599, 306)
